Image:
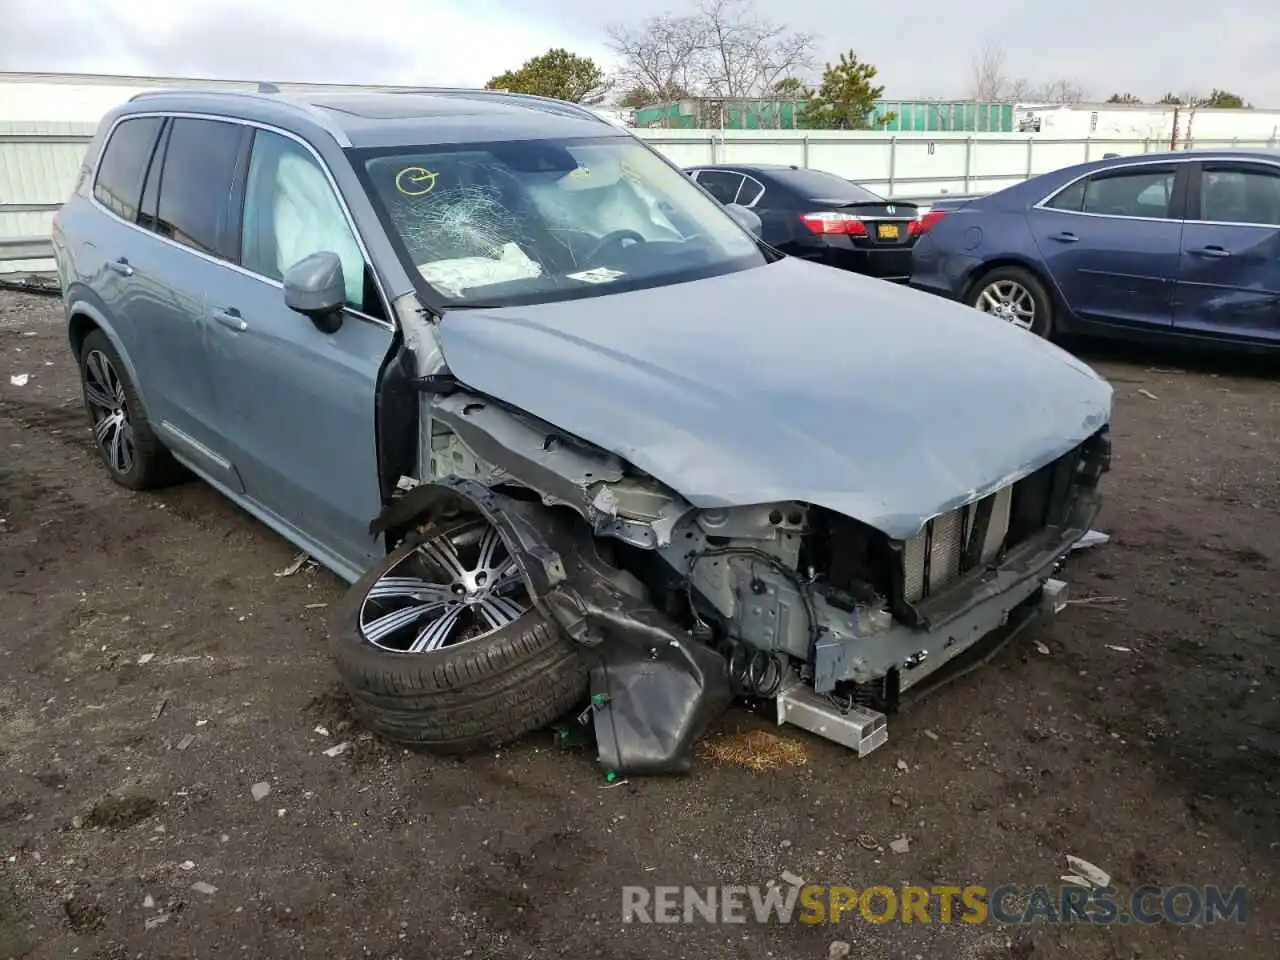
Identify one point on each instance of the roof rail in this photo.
(316, 116)
(564, 106)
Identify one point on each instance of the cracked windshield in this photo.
(533, 221)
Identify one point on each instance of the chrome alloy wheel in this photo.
(110, 412)
(455, 587)
(1010, 301)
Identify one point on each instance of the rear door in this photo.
(1112, 242)
(297, 406)
(185, 208)
(1229, 273)
(116, 258)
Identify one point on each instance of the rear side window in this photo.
(1072, 198)
(820, 185)
(123, 166)
(750, 192)
(195, 185)
(721, 184)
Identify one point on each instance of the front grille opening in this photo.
(975, 535)
(955, 543)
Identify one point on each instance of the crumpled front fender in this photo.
(654, 688)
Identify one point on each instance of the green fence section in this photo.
(888, 115)
(927, 116)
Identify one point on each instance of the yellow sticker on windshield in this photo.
(416, 181)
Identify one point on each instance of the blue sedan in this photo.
(1179, 245)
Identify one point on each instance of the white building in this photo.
(1148, 121)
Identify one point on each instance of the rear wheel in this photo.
(1016, 296)
(133, 455)
(440, 646)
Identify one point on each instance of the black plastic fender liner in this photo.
(654, 688)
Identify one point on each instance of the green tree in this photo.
(1222, 98)
(788, 87)
(556, 73)
(1123, 98)
(846, 97)
(1170, 99)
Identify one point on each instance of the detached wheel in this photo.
(1016, 296)
(441, 647)
(133, 455)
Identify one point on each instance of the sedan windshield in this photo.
(535, 221)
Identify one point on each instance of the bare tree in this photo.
(725, 49)
(1020, 90)
(1062, 91)
(747, 54)
(660, 57)
(987, 80)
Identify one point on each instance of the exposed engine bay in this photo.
(687, 608)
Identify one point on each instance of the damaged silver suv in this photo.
(578, 439)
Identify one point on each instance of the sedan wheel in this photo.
(1010, 301)
(1016, 296)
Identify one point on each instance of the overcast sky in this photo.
(923, 48)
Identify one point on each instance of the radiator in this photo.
(934, 558)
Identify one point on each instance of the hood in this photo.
(790, 381)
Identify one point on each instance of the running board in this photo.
(861, 729)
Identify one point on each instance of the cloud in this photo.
(430, 42)
(922, 48)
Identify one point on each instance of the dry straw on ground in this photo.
(757, 750)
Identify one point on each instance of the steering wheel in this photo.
(611, 240)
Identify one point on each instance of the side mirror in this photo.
(747, 218)
(316, 288)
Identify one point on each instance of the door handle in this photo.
(1212, 251)
(230, 317)
(1064, 237)
(121, 267)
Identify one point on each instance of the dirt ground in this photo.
(155, 666)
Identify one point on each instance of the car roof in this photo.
(1182, 155)
(392, 119)
(746, 167)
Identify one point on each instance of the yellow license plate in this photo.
(888, 231)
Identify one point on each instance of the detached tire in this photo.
(441, 648)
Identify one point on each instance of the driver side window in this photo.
(291, 212)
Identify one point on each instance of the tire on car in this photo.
(441, 648)
(122, 435)
(1006, 292)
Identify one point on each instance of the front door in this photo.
(296, 405)
(1111, 243)
(1229, 276)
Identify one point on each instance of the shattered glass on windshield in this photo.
(519, 222)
